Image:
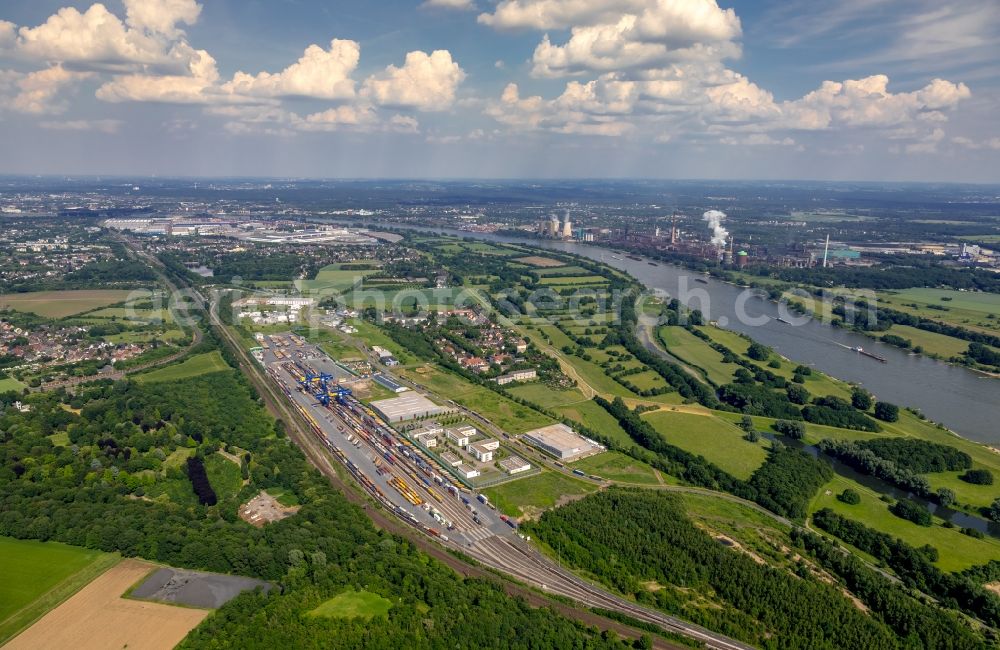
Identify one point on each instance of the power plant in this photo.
(552, 228)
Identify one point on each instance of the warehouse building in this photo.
(406, 407)
(515, 465)
(562, 442)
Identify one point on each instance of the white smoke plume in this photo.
(714, 219)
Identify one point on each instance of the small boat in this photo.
(652, 263)
(633, 257)
(616, 257)
(782, 320)
(702, 280)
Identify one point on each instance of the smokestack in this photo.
(673, 230)
(732, 246)
(826, 249)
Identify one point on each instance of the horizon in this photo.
(468, 89)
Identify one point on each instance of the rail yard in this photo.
(410, 485)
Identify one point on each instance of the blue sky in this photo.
(857, 89)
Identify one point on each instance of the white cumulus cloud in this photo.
(425, 82)
(319, 73)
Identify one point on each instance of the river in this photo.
(962, 400)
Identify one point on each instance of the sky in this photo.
(895, 90)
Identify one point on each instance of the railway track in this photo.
(508, 556)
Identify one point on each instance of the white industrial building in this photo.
(515, 465)
(467, 472)
(561, 441)
(407, 407)
(460, 435)
(482, 451)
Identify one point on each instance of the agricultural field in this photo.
(60, 304)
(199, 364)
(97, 617)
(957, 551)
(37, 576)
(354, 604)
(719, 441)
(529, 497)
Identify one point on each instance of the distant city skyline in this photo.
(855, 90)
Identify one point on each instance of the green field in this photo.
(544, 396)
(37, 576)
(59, 304)
(9, 383)
(938, 344)
(332, 278)
(372, 335)
(965, 308)
(592, 416)
(578, 280)
(354, 604)
(501, 411)
(690, 349)
(719, 441)
(816, 383)
(528, 497)
(616, 466)
(224, 475)
(957, 551)
(199, 364)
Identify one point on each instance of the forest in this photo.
(631, 538)
(914, 566)
(868, 461)
(103, 489)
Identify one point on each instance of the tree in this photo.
(792, 428)
(886, 412)
(978, 477)
(993, 512)
(758, 352)
(945, 497)
(850, 497)
(797, 394)
(861, 399)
